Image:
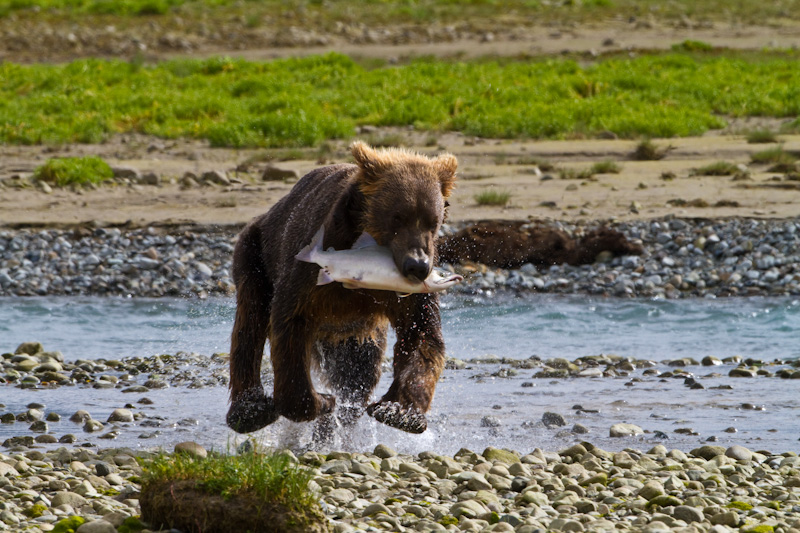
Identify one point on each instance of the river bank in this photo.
(682, 258)
(579, 488)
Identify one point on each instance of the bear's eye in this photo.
(397, 219)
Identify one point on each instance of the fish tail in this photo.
(309, 252)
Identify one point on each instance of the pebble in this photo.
(625, 430)
(582, 488)
(120, 415)
(191, 448)
(681, 259)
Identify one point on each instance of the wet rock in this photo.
(191, 448)
(30, 348)
(103, 469)
(504, 456)
(120, 415)
(490, 422)
(76, 501)
(39, 426)
(92, 426)
(688, 514)
(80, 417)
(216, 177)
(708, 452)
(625, 430)
(740, 453)
(384, 452)
(553, 420)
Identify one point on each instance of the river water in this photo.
(473, 408)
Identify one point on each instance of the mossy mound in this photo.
(182, 505)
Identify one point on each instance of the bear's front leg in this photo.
(251, 410)
(419, 358)
(294, 394)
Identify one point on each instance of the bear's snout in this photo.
(416, 266)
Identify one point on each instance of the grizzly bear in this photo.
(399, 198)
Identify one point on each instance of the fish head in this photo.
(441, 280)
(405, 198)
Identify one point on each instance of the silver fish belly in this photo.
(368, 266)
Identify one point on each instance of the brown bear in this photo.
(399, 198)
(514, 243)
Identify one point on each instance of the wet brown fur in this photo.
(399, 198)
(512, 244)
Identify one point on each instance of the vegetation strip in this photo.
(303, 102)
(418, 11)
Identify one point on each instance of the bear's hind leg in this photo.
(250, 408)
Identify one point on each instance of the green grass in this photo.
(761, 137)
(64, 171)
(493, 197)
(720, 168)
(606, 167)
(304, 102)
(421, 11)
(273, 477)
(775, 156)
(575, 174)
(692, 46)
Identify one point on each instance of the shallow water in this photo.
(519, 327)
(546, 326)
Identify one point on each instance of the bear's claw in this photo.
(395, 415)
(251, 411)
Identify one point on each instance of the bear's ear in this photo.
(445, 166)
(368, 159)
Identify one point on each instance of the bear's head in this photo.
(405, 201)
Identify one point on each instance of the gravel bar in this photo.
(580, 488)
(682, 258)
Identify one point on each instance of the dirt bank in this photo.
(533, 172)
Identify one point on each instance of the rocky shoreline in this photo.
(45, 480)
(134, 416)
(682, 258)
(581, 488)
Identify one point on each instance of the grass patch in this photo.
(229, 493)
(271, 476)
(773, 156)
(302, 102)
(762, 137)
(65, 171)
(606, 167)
(325, 14)
(720, 168)
(575, 174)
(386, 140)
(493, 197)
(692, 46)
(647, 150)
(543, 164)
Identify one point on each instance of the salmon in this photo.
(367, 265)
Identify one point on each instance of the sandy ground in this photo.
(638, 191)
